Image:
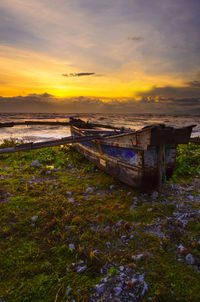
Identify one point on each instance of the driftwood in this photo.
(62, 141)
(30, 123)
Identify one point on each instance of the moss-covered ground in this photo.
(66, 214)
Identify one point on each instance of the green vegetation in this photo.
(64, 213)
(187, 161)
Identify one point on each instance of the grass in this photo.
(44, 210)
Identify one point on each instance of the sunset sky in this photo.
(100, 56)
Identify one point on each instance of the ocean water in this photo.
(37, 133)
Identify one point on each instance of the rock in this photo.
(67, 228)
(119, 223)
(191, 197)
(190, 259)
(70, 166)
(117, 291)
(112, 187)
(132, 207)
(34, 218)
(100, 288)
(82, 269)
(68, 291)
(71, 246)
(35, 164)
(108, 244)
(181, 248)
(154, 195)
(138, 257)
(145, 289)
(89, 190)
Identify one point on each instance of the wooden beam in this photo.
(62, 141)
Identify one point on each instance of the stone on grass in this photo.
(154, 195)
(89, 190)
(34, 218)
(118, 290)
(132, 207)
(71, 246)
(190, 259)
(100, 288)
(82, 269)
(35, 164)
(138, 257)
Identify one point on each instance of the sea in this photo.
(38, 133)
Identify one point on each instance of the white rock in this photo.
(190, 259)
(34, 218)
(71, 246)
(82, 269)
(89, 190)
(100, 288)
(181, 248)
(35, 164)
(137, 257)
(117, 291)
(154, 195)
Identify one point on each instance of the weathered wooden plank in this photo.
(63, 141)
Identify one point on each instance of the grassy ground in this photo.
(65, 214)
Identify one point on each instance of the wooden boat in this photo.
(143, 159)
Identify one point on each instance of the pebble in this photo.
(118, 291)
(35, 164)
(34, 218)
(181, 248)
(138, 257)
(108, 244)
(66, 228)
(89, 190)
(82, 269)
(71, 246)
(132, 207)
(190, 259)
(100, 288)
(154, 195)
(68, 291)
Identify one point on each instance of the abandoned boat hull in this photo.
(137, 165)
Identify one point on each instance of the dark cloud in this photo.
(192, 90)
(48, 103)
(135, 38)
(80, 74)
(195, 84)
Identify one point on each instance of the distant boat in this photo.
(141, 159)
